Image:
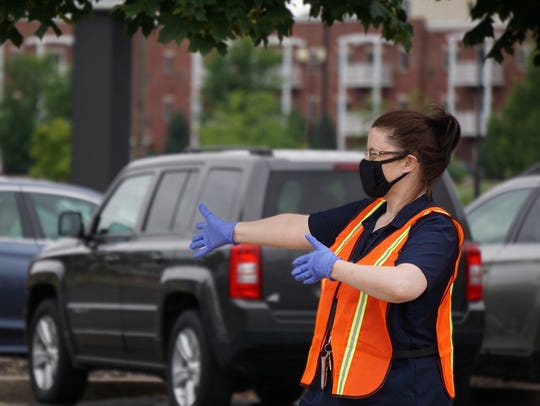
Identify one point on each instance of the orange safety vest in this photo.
(361, 345)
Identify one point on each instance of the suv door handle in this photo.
(112, 258)
(158, 257)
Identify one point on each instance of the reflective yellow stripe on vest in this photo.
(355, 229)
(359, 316)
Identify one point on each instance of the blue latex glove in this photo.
(214, 233)
(316, 265)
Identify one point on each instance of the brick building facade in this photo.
(340, 71)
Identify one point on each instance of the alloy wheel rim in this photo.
(45, 353)
(186, 367)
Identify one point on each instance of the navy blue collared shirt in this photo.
(432, 245)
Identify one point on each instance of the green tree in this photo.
(177, 134)
(241, 100)
(245, 68)
(252, 119)
(51, 150)
(512, 143)
(34, 92)
(210, 24)
(324, 136)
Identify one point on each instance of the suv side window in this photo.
(10, 220)
(530, 233)
(491, 221)
(310, 191)
(219, 192)
(174, 194)
(48, 208)
(121, 211)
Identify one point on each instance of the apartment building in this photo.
(340, 71)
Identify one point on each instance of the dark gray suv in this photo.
(129, 294)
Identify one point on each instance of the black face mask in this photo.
(372, 176)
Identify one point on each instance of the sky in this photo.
(298, 8)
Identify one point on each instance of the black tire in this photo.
(278, 390)
(193, 376)
(53, 377)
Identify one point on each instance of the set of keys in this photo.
(326, 364)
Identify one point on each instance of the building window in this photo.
(313, 107)
(168, 61)
(58, 56)
(404, 62)
(369, 55)
(443, 102)
(403, 101)
(522, 59)
(168, 107)
(446, 58)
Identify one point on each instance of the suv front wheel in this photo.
(54, 378)
(194, 378)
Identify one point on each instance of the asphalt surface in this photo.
(105, 388)
(113, 388)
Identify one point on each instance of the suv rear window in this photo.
(306, 192)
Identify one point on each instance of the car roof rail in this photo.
(532, 170)
(253, 150)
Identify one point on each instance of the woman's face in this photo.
(379, 148)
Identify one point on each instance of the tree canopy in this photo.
(34, 92)
(512, 143)
(210, 24)
(241, 103)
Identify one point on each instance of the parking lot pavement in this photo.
(134, 390)
(105, 388)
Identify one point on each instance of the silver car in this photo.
(505, 222)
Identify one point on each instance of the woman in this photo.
(387, 263)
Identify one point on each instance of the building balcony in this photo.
(362, 74)
(294, 79)
(356, 124)
(468, 123)
(467, 74)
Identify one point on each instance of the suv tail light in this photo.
(245, 272)
(474, 279)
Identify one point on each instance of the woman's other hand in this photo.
(316, 265)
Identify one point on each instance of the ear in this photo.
(410, 163)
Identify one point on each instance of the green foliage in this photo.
(458, 170)
(177, 134)
(418, 102)
(324, 136)
(245, 68)
(241, 100)
(44, 12)
(520, 18)
(50, 150)
(512, 143)
(252, 119)
(34, 92)
(211, 24)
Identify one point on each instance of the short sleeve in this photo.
(326, 225)
(432, 246)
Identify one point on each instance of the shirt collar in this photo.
(411, 209)
(404, 214)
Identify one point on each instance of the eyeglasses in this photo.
(372, 154)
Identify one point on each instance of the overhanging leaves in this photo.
(212, 24)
